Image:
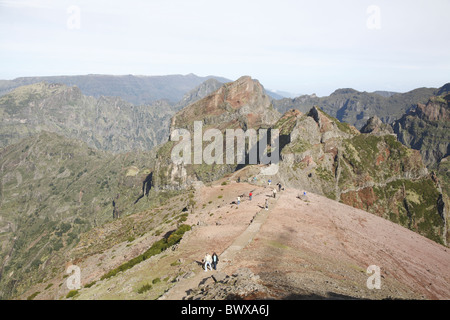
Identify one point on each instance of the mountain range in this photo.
(137, 90)
(90, 181)
(355, 107)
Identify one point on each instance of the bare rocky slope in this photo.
(303, 247)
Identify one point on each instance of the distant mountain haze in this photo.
(137, 90)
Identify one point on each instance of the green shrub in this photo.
(156, 248)
(144, 288)
(33, 296)
(72, 294)
(155, 281)
(90, 284)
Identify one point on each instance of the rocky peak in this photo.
(323, 120)
(375, 126)
(345, 91)
(427, 129)
(242, 103)
(437, 109)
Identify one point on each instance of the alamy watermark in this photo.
(74, 19)
(74, 281)
(374, 281)
(252, 147)
(374, 20)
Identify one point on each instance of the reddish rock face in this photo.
(244, 100)
(434, 110)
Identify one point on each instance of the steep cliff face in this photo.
(427, 128)
(375, 126)
(105, 123)
(373, 172)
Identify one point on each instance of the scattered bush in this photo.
(144, 288)
(156, 248)
(33, 296)
(90, 284)
(72, 294)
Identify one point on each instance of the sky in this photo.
(302, 47)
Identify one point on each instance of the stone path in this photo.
(244, 239)
(225, 259)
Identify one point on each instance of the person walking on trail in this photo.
(270, 182)
(279, 187)
(274, 193)
(250, 195)
(238, 200)
(267, 204)
(208, 261)
(215, 260)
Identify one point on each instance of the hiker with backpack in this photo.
(215, 260)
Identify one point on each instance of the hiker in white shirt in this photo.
(208, 261)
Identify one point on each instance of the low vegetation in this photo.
(156, 248)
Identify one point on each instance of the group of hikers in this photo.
(213, 260)
(210, 261)
(266, 205)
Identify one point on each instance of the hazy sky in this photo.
(291, 45)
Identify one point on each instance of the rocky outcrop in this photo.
(427, 129)
(241, 285)
(240, 104)
(371, 171)
(375, 126)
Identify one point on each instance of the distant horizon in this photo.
(295, 46)
(274, 90)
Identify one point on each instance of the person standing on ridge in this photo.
(250, 195)
(208, 261)
(215, 260)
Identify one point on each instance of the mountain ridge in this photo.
(137, 90)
